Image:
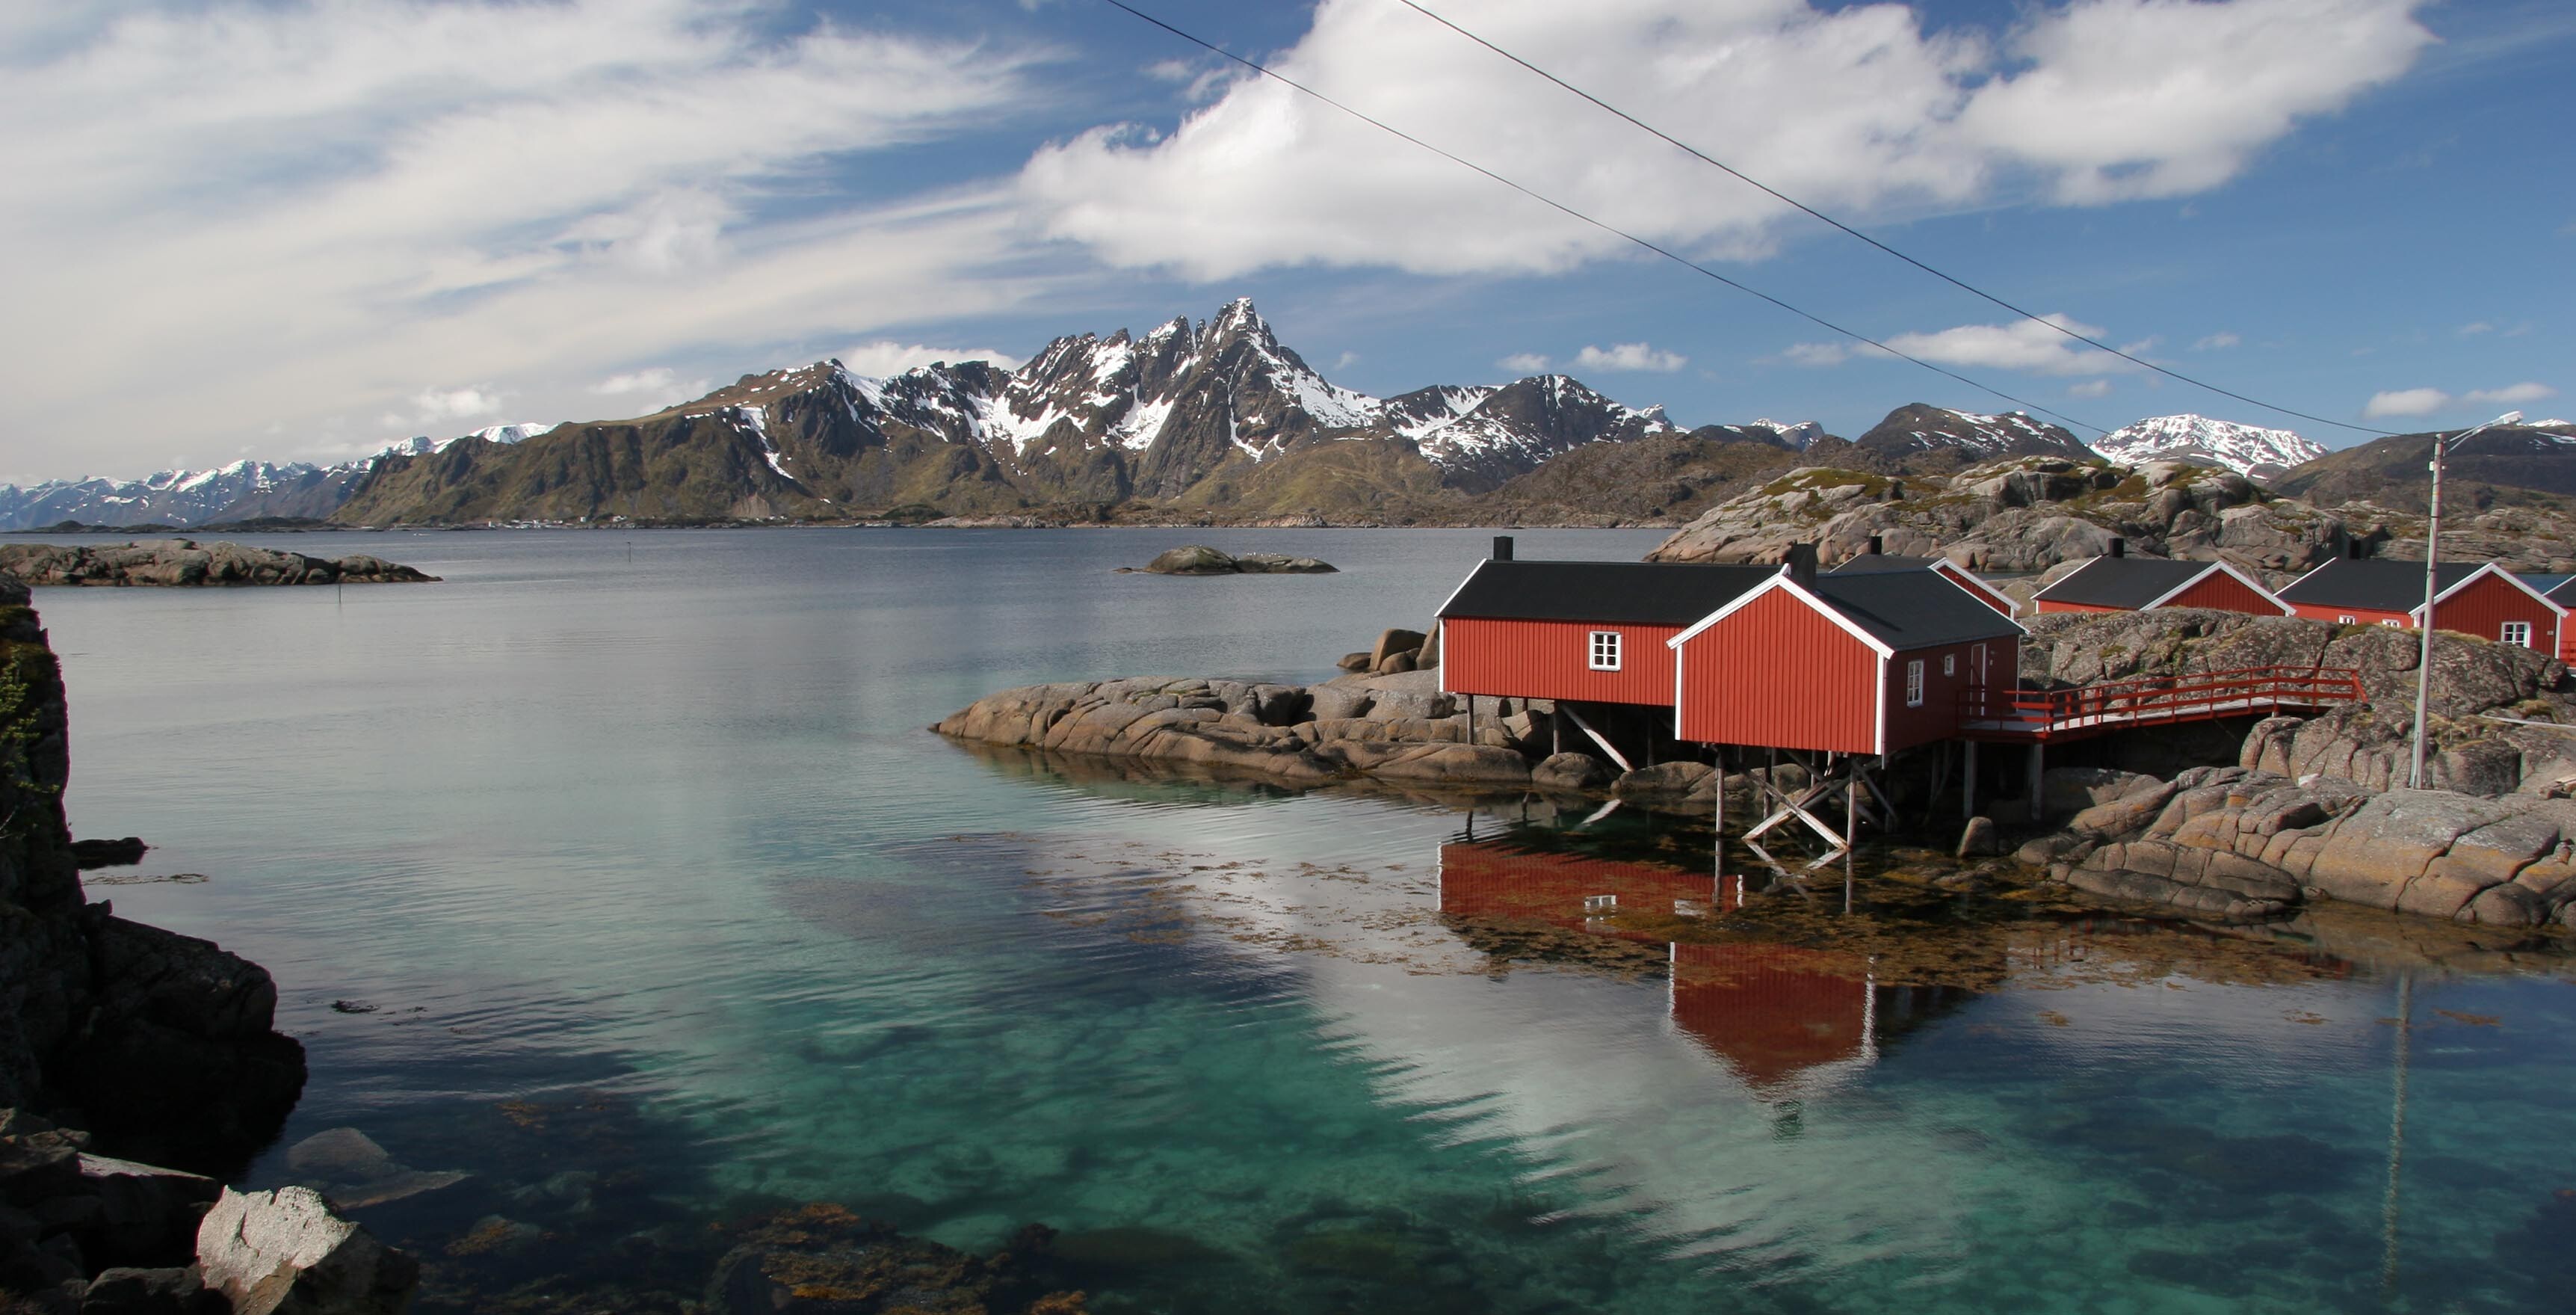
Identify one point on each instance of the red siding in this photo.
(1938, 716)
(1552, 660)
(2360, 615)
(2225, 593)
(1778, 672)
(1978, 589)
(2487, 603)
(2052, 605)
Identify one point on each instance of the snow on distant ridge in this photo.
(2245, 449)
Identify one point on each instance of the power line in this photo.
(1961, 284)
(1554, 204)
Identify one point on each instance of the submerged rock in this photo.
(825, 1260)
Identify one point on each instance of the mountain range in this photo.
(1214, 420)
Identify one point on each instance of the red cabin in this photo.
(1865, 664)
(1590, 632)
(2119, 583)
(2482, 599)
(1874, 562)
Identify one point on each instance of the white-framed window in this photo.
(1949, 664)
(2516, 632)
(2394, 624)
(2348, 619)
(1605, 650)
(1914, 683)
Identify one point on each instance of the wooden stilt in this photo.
(2038, 754)
(1968, 781)
(1471, 719)
(1599, 739)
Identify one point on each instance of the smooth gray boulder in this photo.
(286, 1253)
(1192, 559)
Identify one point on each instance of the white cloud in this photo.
(888, 357)
(1346, 360)
(2473, 330)
(2096, 101)
(2217, 342)
(434, 407)
(2405, 402)
(2090, 388)
(2410, 402)
(1524, 363)
(1818, 354)
(654, 387)
(322, 202)
(2021, 345)
(1629, 356)
(2510, 394)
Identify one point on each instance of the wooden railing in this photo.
(2194, 696)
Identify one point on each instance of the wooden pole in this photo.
(2038, 755)
(1968, 781)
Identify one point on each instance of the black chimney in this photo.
(2356, 549)
(2119, 547)
(1877, 544)
(1502, 547)
(1801, 565)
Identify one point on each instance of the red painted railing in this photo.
(2195, 696)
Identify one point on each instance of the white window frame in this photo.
(1604, 650)
(2348, 619)
(1949, 664)
(1914, 683)
(2505, 633)
(2393, 623)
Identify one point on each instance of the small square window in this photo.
(1605, 650)
(1914, 683)
(2517, 633)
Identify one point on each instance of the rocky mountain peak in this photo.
(2254, 452)
(1920, 428)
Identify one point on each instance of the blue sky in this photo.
(300, 231)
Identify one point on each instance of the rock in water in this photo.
(1193, 559)
(286, 1251)
(1980, 838)
(180, 562)
(1271, 563)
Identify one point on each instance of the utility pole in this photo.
(2433, 551)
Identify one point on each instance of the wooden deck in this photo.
(2027, 716)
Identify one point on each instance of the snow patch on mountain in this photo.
(2245, 449)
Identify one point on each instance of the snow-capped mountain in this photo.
(1966, 435)
(1212, 410)
(1799, 436)
(243, 490)
(2256, 453)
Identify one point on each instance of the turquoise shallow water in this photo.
(662, 907)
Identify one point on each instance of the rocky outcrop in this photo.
(102, 1236)
(824, 1260)
(180, 562)
(286, 1251)
(162, 1043)
(2474, 683)
(2229, 842)
(1394, 729)
(2023, 514)
(1199, 559)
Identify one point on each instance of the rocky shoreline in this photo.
(181, 563)
(2244, 822)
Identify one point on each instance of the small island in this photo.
(182, 563)
(1199, 559)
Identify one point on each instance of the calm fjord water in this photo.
(646, 899)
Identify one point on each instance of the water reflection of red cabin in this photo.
(1774, 1014)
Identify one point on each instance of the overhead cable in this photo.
(1606, 227)
(1963, 285)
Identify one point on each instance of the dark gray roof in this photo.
(1871, 563)
(1629, 593)
(2380, 584)
(2128, 582)
(2552, 587)
(1905, 611)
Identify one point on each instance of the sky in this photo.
(301, 231)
